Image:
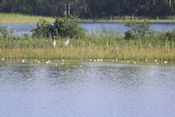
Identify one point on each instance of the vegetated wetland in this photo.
(87, 48)
(139, 45)
(94, 75)
(105, 64)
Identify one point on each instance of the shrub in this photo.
(63, 27)
(3, 32)
(42, 29)
(141, 29)
(129, 35)
(170, 36)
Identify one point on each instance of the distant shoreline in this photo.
(9, 18)
(124, 21)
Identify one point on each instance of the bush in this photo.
(140, 29)
(129, 35)
(63, 27)
(3, 32)
(170, 36)
(42, 29)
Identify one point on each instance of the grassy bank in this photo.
(126, 20)
(6, 18)
(90, 47)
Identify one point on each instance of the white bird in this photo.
(3, 59)
(35, 60)
(146, 60)
(156, 60)
(54, 43)
(47, 62)
(135, 62)
(165, 62)
(23, 61)
(66, 43)
(38, 62)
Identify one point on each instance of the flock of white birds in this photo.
(66, 43)
(91, 60)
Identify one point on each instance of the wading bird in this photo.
(165, 62)
(3, 59)
(66, 42)
(54, 43)
(54, 40)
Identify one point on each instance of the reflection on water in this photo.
(20, 29)
(87, 90)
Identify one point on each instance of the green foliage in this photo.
(170, 36)
(129, 35)
(90, 8)
(67, 26)
(63, 27)
(42, 29)
(3, 32)
(137, 29)
(90, 46)
(166, 36)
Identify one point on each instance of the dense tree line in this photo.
(90, 8)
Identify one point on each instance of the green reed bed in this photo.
(89, 47)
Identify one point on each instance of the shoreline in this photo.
(86, 54)
(124, 21)
(63, 61)
(10, 18)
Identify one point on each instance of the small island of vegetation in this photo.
(140, 43)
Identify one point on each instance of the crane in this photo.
(54, 40)
(66, 42)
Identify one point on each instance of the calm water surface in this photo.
(95, 28)
(87, 90)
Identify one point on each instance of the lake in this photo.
(86, 89)
(95, 28)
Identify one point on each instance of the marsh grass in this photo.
(10, 18)
(90, 47)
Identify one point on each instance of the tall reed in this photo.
(111, 46)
